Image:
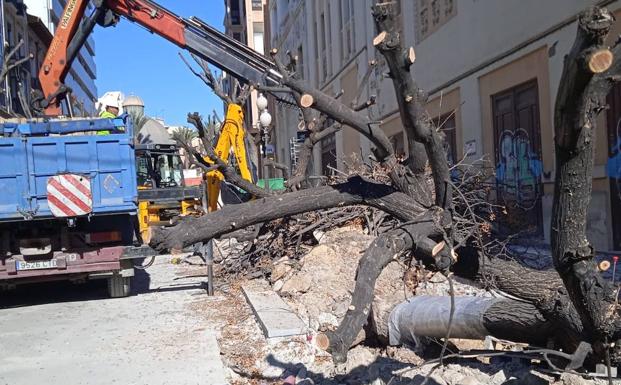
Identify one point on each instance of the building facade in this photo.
(83, 73)
(14, 29)
(330, 41)
(491, 69)
(245, 23)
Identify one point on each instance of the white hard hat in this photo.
(111, 99)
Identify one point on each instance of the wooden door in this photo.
(517, 136)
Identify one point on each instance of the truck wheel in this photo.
(119, 286)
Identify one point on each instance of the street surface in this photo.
(64, 333)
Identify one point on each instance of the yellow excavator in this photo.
(163, 195)
(232, 136)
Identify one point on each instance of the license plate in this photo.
(38, 265)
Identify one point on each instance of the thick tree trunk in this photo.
(235, 217)
(473, 318)
(543, 289)
(585, 83)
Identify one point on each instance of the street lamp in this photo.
(261, 102)
(265, 120)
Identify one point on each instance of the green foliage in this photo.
(138, 121)
(184, 135)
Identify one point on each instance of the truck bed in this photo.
(31, 156)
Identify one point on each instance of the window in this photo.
(235, 14)
(347, 29)
(9, 34)
(329, 38)
(21, 49)
(258, 37)
(446, 124)
(300, 62)
(257, 5)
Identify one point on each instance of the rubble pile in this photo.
(290, 239)
(318, 286)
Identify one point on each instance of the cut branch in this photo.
(410, 98)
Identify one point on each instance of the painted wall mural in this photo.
(519, 170)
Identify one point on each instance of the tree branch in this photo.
(581, 97)
(411, 101)
(235, 217)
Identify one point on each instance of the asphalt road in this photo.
(64, 333)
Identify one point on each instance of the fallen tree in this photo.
(443, 220)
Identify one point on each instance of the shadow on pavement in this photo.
(381, 368)
(31, 294)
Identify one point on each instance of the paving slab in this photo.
(273, 314)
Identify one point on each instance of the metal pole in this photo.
(209, 263)
(266, 168)
(69, 104)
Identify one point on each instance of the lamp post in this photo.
(265, 120)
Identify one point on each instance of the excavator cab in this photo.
(163, 195)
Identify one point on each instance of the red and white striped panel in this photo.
(69, 195)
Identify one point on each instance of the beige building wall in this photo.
(481, 51)
(334, 35)
(473, 52)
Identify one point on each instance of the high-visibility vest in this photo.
(107, 115)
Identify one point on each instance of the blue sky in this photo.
(132, 60)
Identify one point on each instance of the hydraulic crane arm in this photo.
(190, 34)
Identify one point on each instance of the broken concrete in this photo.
(272, 313)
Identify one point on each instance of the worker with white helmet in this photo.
(110, 107)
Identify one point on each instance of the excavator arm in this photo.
(190, 34)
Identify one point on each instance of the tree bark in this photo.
(581, 96)
(235, 217)
(410, 99)
(543, 289)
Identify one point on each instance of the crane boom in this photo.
(190, 34)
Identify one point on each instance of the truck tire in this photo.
(119, 286)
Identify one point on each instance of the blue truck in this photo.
(68, 202)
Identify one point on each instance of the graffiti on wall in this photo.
(613, 167)
(519, 170)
